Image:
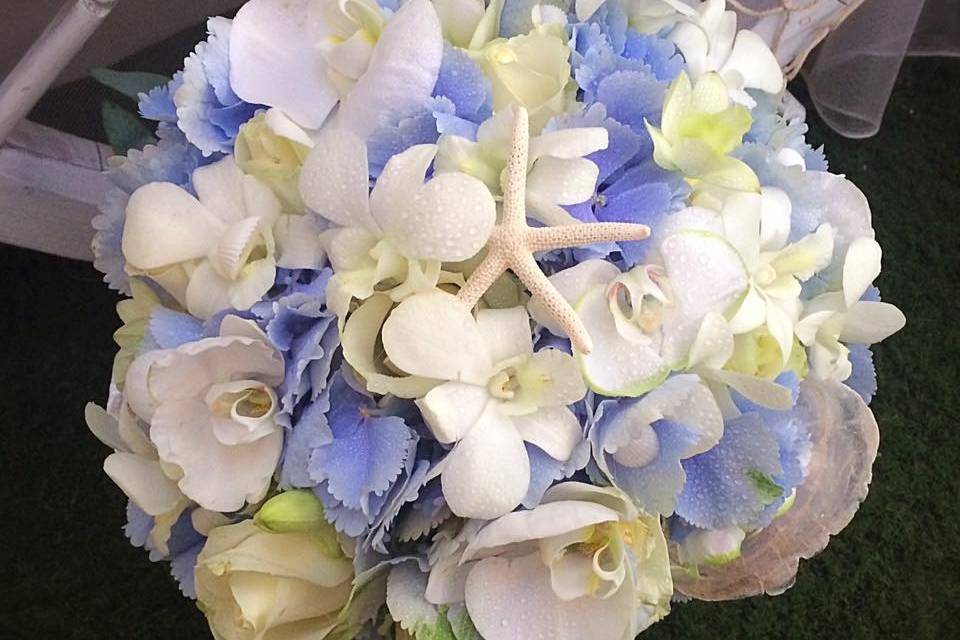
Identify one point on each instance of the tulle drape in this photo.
(851, 74)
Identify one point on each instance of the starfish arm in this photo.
(527, 269)
(482, 278)
(514, 180)
(576, 235)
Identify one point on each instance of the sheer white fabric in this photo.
(851, 74)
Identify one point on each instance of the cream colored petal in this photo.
(550, 379)
(215, 476)
(166, 225)
(144, 482)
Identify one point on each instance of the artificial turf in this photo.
(893, 573)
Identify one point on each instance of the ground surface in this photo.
(894, 573)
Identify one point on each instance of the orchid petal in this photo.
(555, 430)
(807, 256)
(452, 408)
(861, 266)
(334, 180)
(298, 243)
(543, 523)
(565, 182)
(871, 322)
(487, 473)
(448, 219)
(752, 58)
(272, 34)
(165, 225)
(402, 72)
(615, 367)
(359, 341)
(573, 284)
(511, 599)
(506, 333)
(550, 379)
(434, 335)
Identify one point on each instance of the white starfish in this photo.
(513, 243)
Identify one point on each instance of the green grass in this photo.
(894, 573)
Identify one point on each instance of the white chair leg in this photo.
(48, 56)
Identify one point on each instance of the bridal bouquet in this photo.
(451, 319)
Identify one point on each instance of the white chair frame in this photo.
(50, 182)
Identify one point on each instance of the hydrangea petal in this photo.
(367, 453)
(727, 485)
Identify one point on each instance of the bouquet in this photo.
(463, 319)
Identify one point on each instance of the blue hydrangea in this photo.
(793, 443)
(545, 470)
(732, 484)
(208, 111)
(300, 326)
(630, 187)
(655, 486)
(173, 160)
(772, 130)
(604, 47)
(462, 99)
(351, 453)
(184, 544)
(863, 378)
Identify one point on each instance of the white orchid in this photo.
(494, 394)
(135, 467)
(331, 51)
(759, 227)
(583, 564)
(643, 322)
(839, 317)
(211, 407)
(710, 42)
(559, 174)
(219, 250)
(396, 237)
